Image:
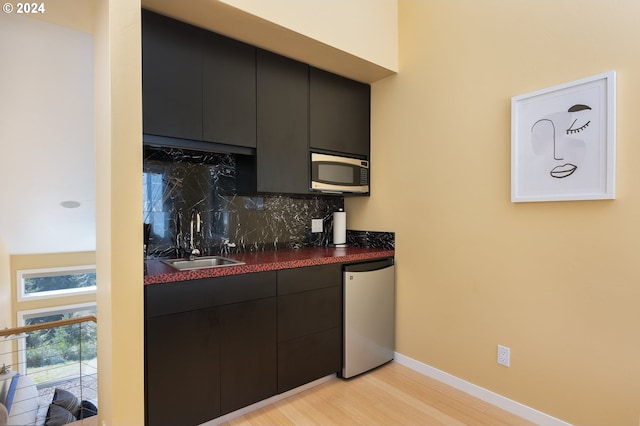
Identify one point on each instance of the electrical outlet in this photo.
(316, 225)
(504, 355)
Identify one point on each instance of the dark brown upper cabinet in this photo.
(171, 78)
(339, 111)
(283, 125)
(197, 85)
(228, 91)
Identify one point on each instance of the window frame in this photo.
(22, 296)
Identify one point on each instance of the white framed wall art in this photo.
(563, 142)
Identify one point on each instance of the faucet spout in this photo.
(194, 227)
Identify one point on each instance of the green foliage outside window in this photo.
(76, 342)
(58, 282)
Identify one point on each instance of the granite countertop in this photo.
(157, 272)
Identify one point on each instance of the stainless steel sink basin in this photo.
(201, 263)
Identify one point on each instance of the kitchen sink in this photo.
(201, 263)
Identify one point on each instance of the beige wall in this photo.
(5, 286)
(5, 301)
(557, 282)
(118, 85)
(70, 13)
(43, 261)
(338, 23)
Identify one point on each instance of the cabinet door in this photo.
(171, 78)
(248, 354)
(339, 113)
(283, 130)
(229, 91)
(182, 368)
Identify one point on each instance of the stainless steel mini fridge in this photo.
(369, 316)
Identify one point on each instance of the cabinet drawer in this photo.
(164, 299)
(309, 278)
(300, 314)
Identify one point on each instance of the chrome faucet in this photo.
(177, 220)
(194, 225)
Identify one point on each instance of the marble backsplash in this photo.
(381, 240)
(180, 186)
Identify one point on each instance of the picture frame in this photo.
(563, 142)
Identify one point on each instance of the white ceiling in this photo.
(46, 135)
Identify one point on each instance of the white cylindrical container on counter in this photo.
(340, 228)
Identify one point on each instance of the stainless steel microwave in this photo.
(337, 174)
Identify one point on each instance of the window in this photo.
(56, 282)
(153, 190)
(59, 353)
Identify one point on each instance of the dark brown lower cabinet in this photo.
(210, 347)
(248, 355)
(213, 346)
(309, 324)
(183, 368)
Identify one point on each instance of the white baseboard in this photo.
(483, 394)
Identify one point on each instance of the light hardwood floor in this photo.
(389, 395)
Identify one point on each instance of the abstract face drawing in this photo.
(561, 139)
